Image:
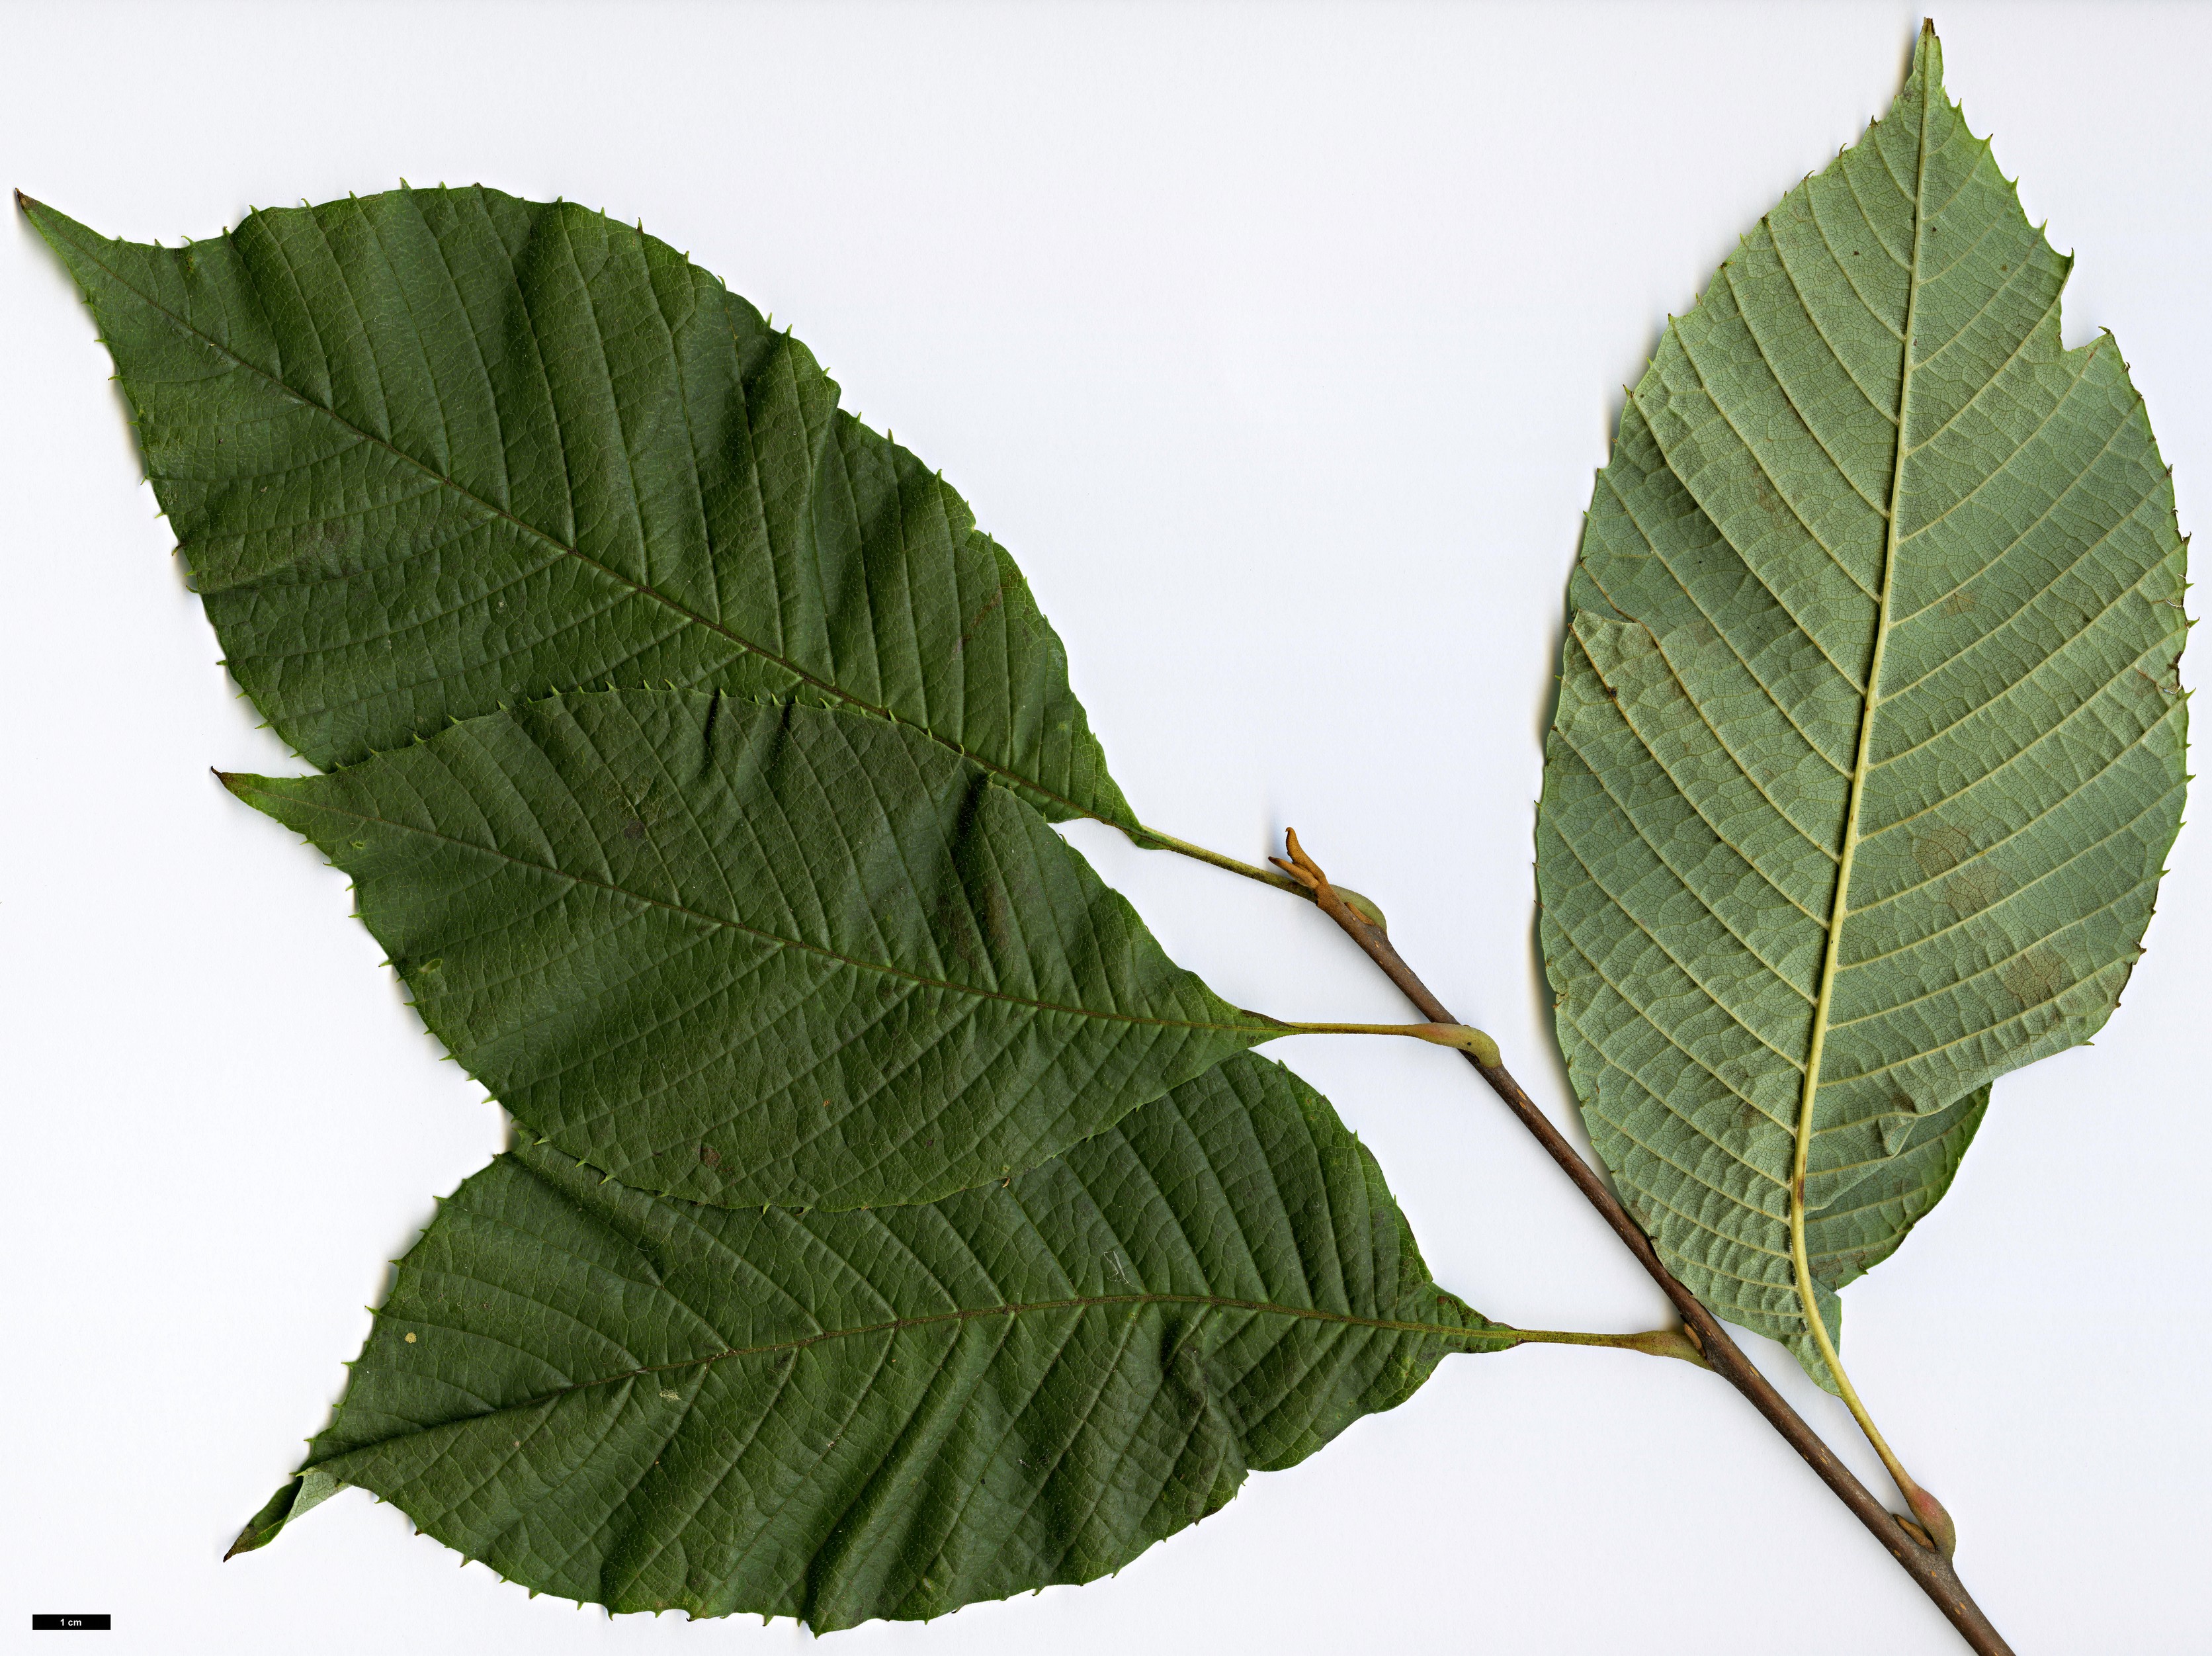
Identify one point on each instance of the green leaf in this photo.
(437, 451)
(839, 1416)
(746, 953)
(1795, 926)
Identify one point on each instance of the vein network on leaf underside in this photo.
(2010, 759)
(1718, 918)
(1988, 709)
(1774, 369)
(2021, 611)
(2083, 356)
(1783, 495)
(1667, 1036)
(2014, 896)
(1722, 633)
(1751, 776)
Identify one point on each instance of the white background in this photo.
(1279, 345)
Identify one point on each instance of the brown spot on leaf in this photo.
(1973, 888)
(2034, 977)
(1961, 602)
(1769, 502)
(1940, 849)
(709, 1156)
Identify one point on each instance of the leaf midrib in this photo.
(242, 786)
(1839, 907)
(613, 575)
(900, 1324)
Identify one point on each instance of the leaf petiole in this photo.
(1152, 839)
(1473, 1042)
(1931, 1520)
(1653, 1342)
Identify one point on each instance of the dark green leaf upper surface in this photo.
(749, 954)
(648, 1403)
(435, 451)
(1870, 743)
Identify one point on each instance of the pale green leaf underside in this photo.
(744, 953)
(841, 1416)
(432, 451)
(1759, 543)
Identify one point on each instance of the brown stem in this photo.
(1925, 1565)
